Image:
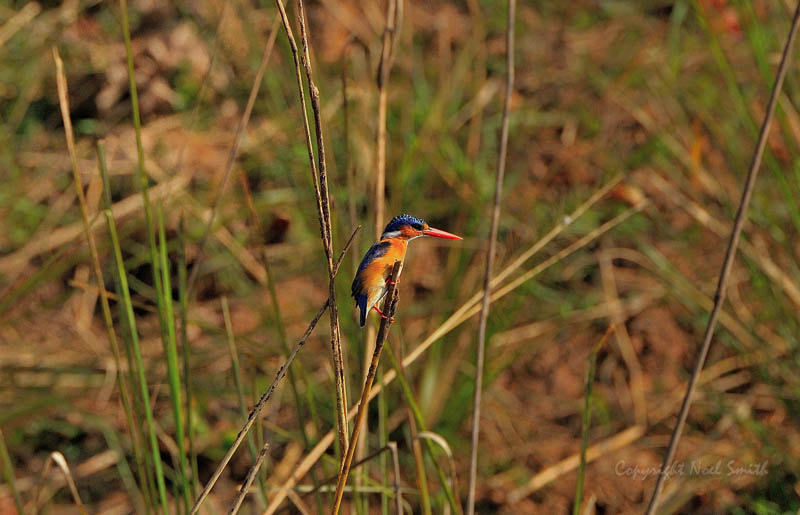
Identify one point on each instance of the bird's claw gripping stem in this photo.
(381, 314)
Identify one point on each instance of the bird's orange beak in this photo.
(438, 233)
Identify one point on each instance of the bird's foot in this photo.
(382, 315)
(393, 283)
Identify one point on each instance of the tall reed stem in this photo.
(320, 181)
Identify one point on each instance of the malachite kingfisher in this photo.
(371, 281)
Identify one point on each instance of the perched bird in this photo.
(371, 281)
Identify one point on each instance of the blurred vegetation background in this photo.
(666, 94)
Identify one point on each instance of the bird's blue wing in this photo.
(357, 290)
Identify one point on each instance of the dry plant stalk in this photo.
(389, 306)
(336, 345)
(727, 265)
(333, 479)
(320, 180)
(251, 418)
(498, 192)
(248, 480)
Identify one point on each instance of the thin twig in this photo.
(498, 192)
(251, 418)
(727, 265)
(248, 480)
(389, 306)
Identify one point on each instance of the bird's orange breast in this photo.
(376, 272)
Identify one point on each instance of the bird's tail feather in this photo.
(361, 301)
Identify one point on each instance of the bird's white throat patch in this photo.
(390, 234)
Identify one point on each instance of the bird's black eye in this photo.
(417, 226)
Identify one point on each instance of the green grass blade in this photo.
(171, 352)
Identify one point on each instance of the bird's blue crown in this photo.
(400, 221)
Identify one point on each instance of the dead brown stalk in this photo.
(248, 480)
(393, 12)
